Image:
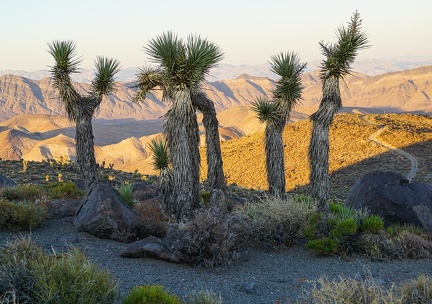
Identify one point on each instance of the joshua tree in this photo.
(182, 67)
(215, 174)
(335, 66)
(275, 114)
(80, 109)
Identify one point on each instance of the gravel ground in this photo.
(258, 277)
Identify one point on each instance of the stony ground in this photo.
(257, 277)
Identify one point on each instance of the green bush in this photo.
(126, 193)
(30, 276)
(204, 297)
(16, 277)
(27, 192)
(340, 231)
(150, 294)
(71, 278)
(396, 230)
(372, 224)
(63, 190)
(274, 221)
(20, 215)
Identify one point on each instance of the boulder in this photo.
(61, 208)
(150, 247)
(104, 214)
(6, 182)
(394, 198)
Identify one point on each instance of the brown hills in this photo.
(406, 91)
(33, 125)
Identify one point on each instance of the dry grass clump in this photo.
(211, 238)
(366, 291)
(20, 215)
(27, 275)
(274, 221)
(204, 297)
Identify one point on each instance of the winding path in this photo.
(374, 137)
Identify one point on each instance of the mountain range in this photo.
(33, 123)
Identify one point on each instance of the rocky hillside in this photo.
(407, 91)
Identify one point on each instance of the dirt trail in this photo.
(374, 137)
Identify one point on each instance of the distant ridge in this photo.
(399, 92)
(370, 67)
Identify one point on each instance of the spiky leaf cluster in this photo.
(289, 87)
(340, 55)
(103, 83)
(266, 110)
(66, 63)
(160, 157)
(183, 65)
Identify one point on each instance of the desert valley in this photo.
(33, 125)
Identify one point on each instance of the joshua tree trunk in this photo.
(84, 140)
(183, 139)
(275, 164)
(215, 174)
(319, 145)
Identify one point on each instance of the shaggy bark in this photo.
(183, 141)
(275, 164)
(82, 112)
(319, 144)
(215, 174)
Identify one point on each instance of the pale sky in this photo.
(249, 32)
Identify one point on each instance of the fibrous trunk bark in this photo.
(183, 141)
(215, 173)
(275, 164)
(84, 141)
(331, 103)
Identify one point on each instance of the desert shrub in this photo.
(63, 190)
(27, 192)
(125, 190)
(380, 246)
(31, 276)
(210, 238)
(415, 246)
(204, 297)
(418, 290)
(340, 231)
(20, 215)
(16, 277)
(150, 294)
(396, 230)
(372, 224)
(275, 221)
(71, 278)
(349, 291)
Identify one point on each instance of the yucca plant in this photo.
(80, 109)
(335, 66)
(161, 162)
(182, 67)
(275, 114)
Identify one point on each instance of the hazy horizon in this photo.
(248, 32)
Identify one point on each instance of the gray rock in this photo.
(150, 247)
(391, 196)
(61, 208)
(251, 288)
(104, 214)
(6, 182)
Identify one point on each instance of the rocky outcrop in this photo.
(151, 247)
(6, 182)
(391, 196)
(104, 214)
